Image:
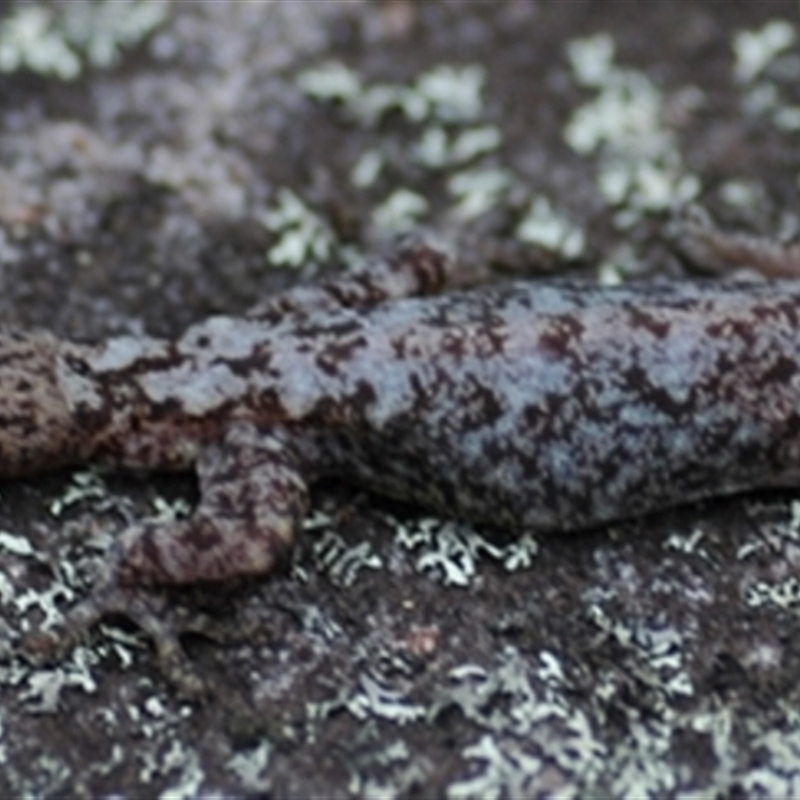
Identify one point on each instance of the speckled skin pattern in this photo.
(529, 406)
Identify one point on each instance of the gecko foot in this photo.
(139, 605)
(253, 499)
(695, 235)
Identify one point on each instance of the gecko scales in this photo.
(529, 406)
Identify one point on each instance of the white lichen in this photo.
(767, 66)
(756, 50)
(367, 169)
(342, 563)
(451, 552)
(640, 168)
(304, 237)
(59, 39)
(543, 227)
(400, 211)
(330, 81)
(477, 190)
(28, 40)
(437, 149)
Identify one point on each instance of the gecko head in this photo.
(38, 430)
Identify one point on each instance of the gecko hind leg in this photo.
(253, 499)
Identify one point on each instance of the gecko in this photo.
(546, 407)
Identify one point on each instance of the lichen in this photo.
(60, 39)
(304, 237)
(767, 67)
(400, 211)
(640, 167)
(452, 141)
(544, 227)
(755, 51)
(450, 552)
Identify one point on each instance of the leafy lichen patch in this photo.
(401, 211)
(543, 227)
(451, 551)
(453, 141)
(60, 39)
(342, 563)
(640, 168)
(44, 687)
(767, 66)
(304, 237)
(756, 50)
(252, 767)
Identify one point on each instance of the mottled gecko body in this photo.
(543, 407)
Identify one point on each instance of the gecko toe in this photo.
(143, 608)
